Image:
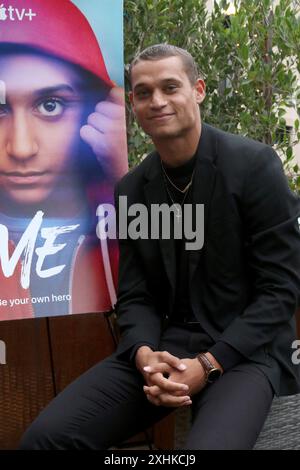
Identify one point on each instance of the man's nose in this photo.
(21, 143)
(158, 99)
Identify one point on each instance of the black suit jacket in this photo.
(245, 281)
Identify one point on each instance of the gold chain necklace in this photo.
(178, 206)
(182, 191)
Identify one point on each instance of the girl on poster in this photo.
(62, 148)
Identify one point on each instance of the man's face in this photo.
(165, 102)
(39, 126)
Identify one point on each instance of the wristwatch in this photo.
(212, 373)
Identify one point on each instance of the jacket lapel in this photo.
(203, 186)
(155, 193)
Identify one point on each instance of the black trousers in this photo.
(107, 405)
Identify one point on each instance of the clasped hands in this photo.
(170, 381)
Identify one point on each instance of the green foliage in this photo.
(249, 60)
(148, 22)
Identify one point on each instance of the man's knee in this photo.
(49, 431)
(39, 437)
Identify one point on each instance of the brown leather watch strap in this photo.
(212, 373)
(205, 363)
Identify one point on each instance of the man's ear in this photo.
(200, 90)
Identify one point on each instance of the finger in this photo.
(101, 123)
(107, 126)
(109, 150)
(162, 367)
(152, 390)
(187, 403)
(171, 401)
(180, 393)
(166, 384)
(171, 387)
(155, 391)
(94, 138)
(153, 400)
(116, 95)
(111, 110)
(173, 361)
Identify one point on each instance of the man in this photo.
(62, 136)
(210, 327)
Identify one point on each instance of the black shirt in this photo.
(181, 176)
(182, 312)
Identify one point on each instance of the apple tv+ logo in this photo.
(15, 14)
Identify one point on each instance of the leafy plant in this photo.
(250, 61)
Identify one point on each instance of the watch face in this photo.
(213, 375)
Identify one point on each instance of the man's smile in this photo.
(162, 116)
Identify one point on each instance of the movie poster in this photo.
(62, 149)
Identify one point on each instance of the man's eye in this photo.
(142, 94)
(171, 87)
(51, 107)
